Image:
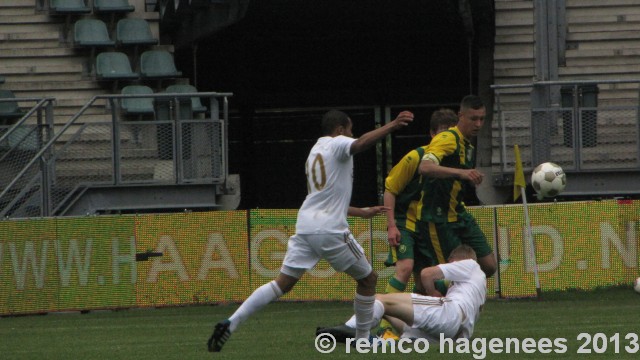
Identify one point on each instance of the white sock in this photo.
(363, 306)
(351, 322)
(378, 313)
(257, 300)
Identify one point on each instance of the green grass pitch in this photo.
(286, 330)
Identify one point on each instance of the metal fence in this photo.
(584, 126)
(18, 145)
(100, 146)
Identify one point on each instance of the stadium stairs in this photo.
(38, 59)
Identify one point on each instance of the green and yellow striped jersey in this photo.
(442, 199)
(405, 182)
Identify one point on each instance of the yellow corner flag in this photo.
(518, 177)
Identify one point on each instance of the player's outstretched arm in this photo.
(367, 212)
(370, 138)
(431, 169)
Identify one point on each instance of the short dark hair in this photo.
(471, 102)
(333, 119)
(443, 116)
(462, 252)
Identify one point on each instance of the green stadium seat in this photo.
(91, 33)
(158, 64)
(134, 31)
(137, 106)
(9, 110)
(112, 6)
(68, 7)
(2, 80)
(196, 104)
(114, 66)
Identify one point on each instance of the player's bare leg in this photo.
(257, 300)
(398, 305)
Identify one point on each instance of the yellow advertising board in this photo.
(204, 258)
(86, 263)
(28, 275)
(578, 245)
(95, 258)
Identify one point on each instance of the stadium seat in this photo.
(158, 64)
(137, 106)
(1, 79)
(112, 6)
(114, 66)
(91, 33)
(68, 7)
(134, 31)
(9, 110)
(196, 105)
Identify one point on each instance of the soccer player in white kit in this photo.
(322, 231)
(433, 317)
(453, 316)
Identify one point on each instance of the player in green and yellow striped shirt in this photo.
(403, 187)
(448, 167)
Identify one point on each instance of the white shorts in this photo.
(436, 315)
(342, 251)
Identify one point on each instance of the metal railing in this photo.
(583, 125)
(18, 144)
(95, 148)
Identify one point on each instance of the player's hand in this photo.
(393, 234)
(474, 176)
(403, 119)
(370, 212)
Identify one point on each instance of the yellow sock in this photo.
(384, 324)
(395, 286)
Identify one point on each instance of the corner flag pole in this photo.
(519, 182)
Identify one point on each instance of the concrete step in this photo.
(602, 152)
(91, 134)
(18, 11)
(101, 170)
(53, 86)
(77, 102)
(31, 44)
(8, 4)
(129, 154)
(49, 27)
(94, 112)
(522, 140)
(25, 54)
(27, 36)
(34, 18)
(587, 163)
(623, 126)
(44, 61)
(85, 94)
(16, 81)
(42, 69)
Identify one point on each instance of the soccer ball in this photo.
(636, 285)
(548, 180)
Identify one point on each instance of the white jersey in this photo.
(329, 169)
(455, 315)
(468, 290)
